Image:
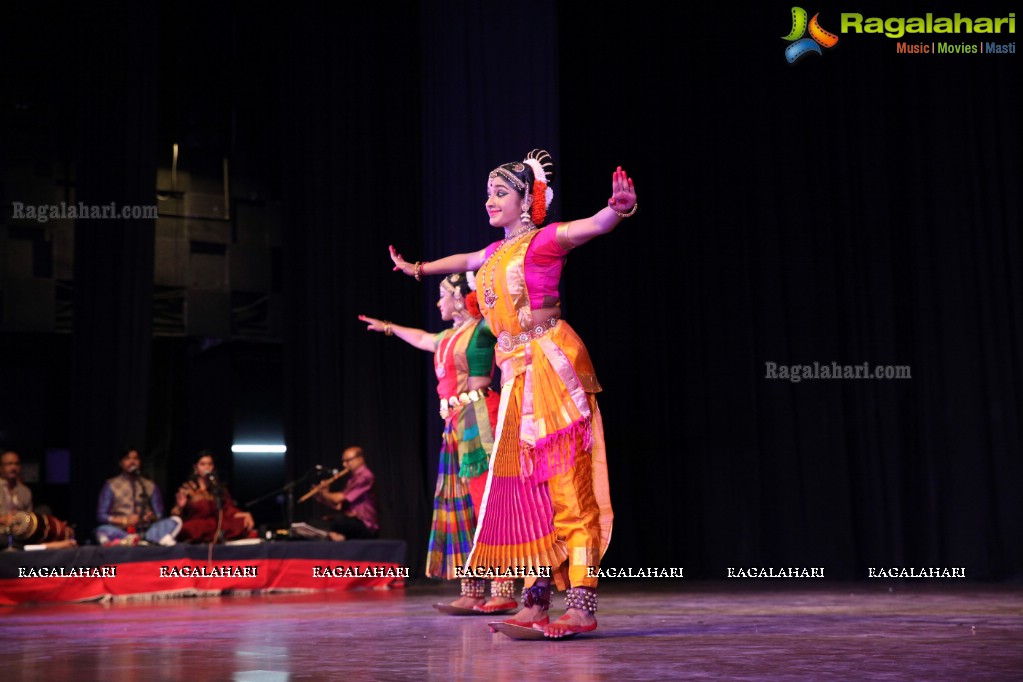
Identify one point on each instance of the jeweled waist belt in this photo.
(447, 405)
(507, 342)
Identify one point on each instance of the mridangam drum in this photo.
(30, 528)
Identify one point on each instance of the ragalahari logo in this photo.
(801, 46)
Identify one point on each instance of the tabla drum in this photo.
(30, 528)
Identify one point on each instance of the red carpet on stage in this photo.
(91, 573)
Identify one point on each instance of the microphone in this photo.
(214, 489)
(134, 471)
(324, 470)
(213, 485)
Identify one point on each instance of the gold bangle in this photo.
(631, 212)
(417, 272)
(387, 329)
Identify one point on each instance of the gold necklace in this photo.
(520, 230)
(489, 295)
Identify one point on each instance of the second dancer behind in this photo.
(547, 502)
(464, 365)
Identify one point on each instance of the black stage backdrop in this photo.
(114, 61)
(858, 206)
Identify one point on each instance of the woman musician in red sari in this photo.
(206, 509)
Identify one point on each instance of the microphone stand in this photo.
(213, 485)
(288, 489)
(139, 502)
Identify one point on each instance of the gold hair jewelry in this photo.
(507, 175)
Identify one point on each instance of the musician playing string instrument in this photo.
(352, 511)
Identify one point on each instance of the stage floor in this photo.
(664, 630)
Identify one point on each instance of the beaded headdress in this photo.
(508, 174)
(459, 283)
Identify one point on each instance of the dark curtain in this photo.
(192, 397)
(352, 185)
(392, 119)
(113, 285)
(860, 206)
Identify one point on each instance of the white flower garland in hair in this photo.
(470, 276)
(541, 175)
(538, 171)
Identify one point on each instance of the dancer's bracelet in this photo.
(629, 214)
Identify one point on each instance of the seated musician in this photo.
(130, 508)
(351, 512)
(207, 511)
(18, 521)
(14, 494)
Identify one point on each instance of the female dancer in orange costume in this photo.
(547, 505)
